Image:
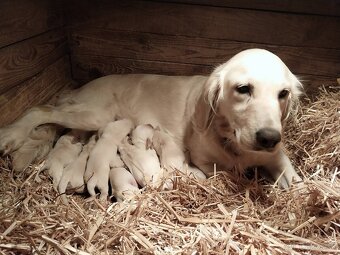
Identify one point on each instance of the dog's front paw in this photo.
(11, 138)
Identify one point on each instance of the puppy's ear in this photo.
(206, 106)
(100, 132)
(148, 144)
(292, 103)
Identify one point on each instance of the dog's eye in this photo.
(283, 93)
(243, 89)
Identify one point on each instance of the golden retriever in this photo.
(233, 118)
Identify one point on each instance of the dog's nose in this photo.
(267, 138)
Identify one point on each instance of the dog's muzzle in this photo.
(267, 138)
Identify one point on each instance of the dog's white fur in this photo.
(172, 158)
(207, 115)
(35, 148)
(73, 174)
(65, 151)
(123, 184)
(104, 156)
(140, 158)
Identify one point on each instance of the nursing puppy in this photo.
(123, 184)
(65, 151)
(233, 118)
(73, 174)
(104, 156)
(140, 158)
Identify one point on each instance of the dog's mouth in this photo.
(235, 147)
(261, 149)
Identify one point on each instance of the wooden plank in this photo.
(22, 19)
(181, 49)
(319, 7)
(87, 67)
(209, 22)
(27, 58)
(35, 91)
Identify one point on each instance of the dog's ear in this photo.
(206, 106)
(292, 103)
(148, 144)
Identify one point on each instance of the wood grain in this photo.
(35, 91)
(88, 67)
(320, 7)
(22, 60)
(209, 22)
(200, 51)
(22, 19)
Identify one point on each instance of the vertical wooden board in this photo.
(200, 51)
(209, 22)
(22, 60)
(22, 19)
(34, 91)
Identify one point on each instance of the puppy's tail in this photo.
(37, 145)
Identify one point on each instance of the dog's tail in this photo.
(37, 145)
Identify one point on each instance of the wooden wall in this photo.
(176, 37)
(34, 64)
(192, 36)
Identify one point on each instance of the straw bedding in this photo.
(225, 214)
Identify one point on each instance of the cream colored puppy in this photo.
(140, 158)
(73, 175)
(104, 156)
(65, 151)
(123, 184)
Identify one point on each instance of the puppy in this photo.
(73, 175)
(104, 156)
(123, 184)
(140, 158)
(65, 151)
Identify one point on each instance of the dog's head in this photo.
(247, 100)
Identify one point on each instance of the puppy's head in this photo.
(247, 100)
(143, 133)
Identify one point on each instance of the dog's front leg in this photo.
(282, 170)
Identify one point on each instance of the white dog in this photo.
(123, 184)
(140, 158)
(73, 175)
(65, 151)
(104, 156)
(232, 118)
